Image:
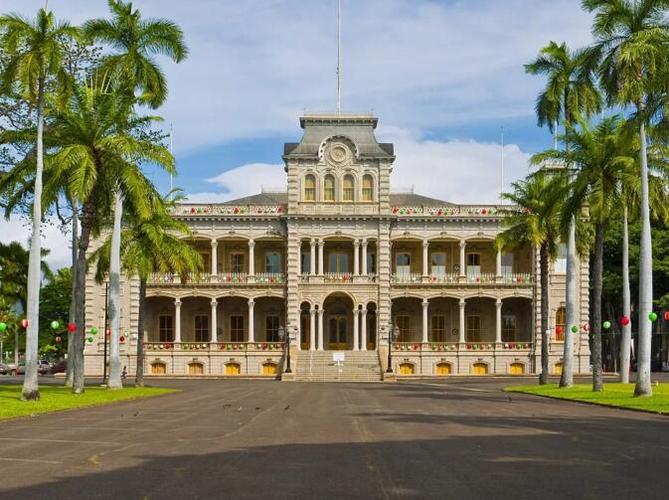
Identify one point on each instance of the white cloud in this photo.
(455, 171)
(54, 237)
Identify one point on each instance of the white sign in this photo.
(338, 356)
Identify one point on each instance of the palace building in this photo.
(345, 267)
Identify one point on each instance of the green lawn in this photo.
(61, 398)
(618, 395)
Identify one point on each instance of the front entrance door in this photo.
(338, 340)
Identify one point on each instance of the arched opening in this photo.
(159, 325)
(195, 369)
(367, 188)
(479, 369)
(348, 193)
(269, 317)
(309, 188)
(516, 369)
(443, 320)
(443, 369)
(232, 369)
(480, 318)
(233, 319)
(269, 369)
(516, 320)
(329, 188)
(406, 369)
(158, 368)
(560, 322)
(196, 321)
(407, 319)
(557, 368)
(371, 326)
(305, 326)
(338, 322)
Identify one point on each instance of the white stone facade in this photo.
(339, 262)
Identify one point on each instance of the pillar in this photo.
(213, 337)
(320, 329)
(251, 336)
(363, 330)
(312, 329)
(498, 321)
(463, 245)
(425, 304)
(252, 258)
(498, 264)
(462, 321)
(312, 257)
(321, 244)
(426, 245)
(356, 258)
(177, 321)
(356, 319)
(214, 257)
(364, 258)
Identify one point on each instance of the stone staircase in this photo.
(318, 366)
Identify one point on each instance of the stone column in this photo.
(252, 258)
(320, 329)
(426, 246)
(312, 257)
(312, 329)
(321, 244)
(498, 321)
(356, 258)
(251, 336)
(214, 257)
(462, 332)
(363, 330)
(425, 304)
(364, 258)
(213, 337)
(177, 321)
(463, 270)
(498, 264)
(356, 339)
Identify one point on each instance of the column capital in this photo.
(426, 243)
(498, 303)
(177, 302)
(321, 242)
(463, 243)
(320, 312)
(214, 243)
(312, 242)
(356, 311)
(462, 303)
(251, 302)
(252, 243)
(364, 242)
(313, 312)
(363, 311)
(356, 243)
(425, 302)
(214, 303)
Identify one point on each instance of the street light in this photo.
(284, 335)
(391, 337)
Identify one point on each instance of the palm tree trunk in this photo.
(115, 297)
(139, 372)
(626, 340)
(567, 377)
(543, 259)
(597, 381)
(30, 385)
(643, 387)
(77, 360)
(75, 241)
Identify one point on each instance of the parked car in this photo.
(21, 370)
(5, 369)
(60, 367)
(43, 367)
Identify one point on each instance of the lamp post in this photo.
(391, 337)
(284, 334)
(104, 337)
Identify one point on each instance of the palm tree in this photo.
(134, 40)
(600, 155)
(99, 154)
(150, 245)
(535, 221)
(35, 55)
(632, 40)
(570, 92)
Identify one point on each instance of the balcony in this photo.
(472, 279)
(220, 280)
(214, 346)
(456, 347)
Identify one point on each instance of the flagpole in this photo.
(501, 175)
(338, 56)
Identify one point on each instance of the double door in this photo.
(338, 333)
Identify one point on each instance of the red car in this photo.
(60, 367)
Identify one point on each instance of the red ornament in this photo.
(24, 323)
(121, 339)
(625, 321)
(586, 327)
(558, 329)
(108, 332)
(71, 327)
(666, 315)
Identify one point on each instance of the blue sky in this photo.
(442, 76)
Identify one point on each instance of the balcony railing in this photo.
(406, 278)
(444, 278)
(214, 346)
(516, 279)
(454, 346)
(221, 279)
(270, 278)
(338, 277)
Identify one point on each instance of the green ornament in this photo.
(94, 330)
(90, 340)
(574, 329)
(55, 325)
(606, 325)
(3, 327)
(652, 316)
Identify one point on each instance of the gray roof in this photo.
(396, 199)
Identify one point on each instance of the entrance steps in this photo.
(319, 366)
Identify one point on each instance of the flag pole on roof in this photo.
(338, 56)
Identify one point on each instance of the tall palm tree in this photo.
(153, 244)
(600, 155)
(99, 154)
(35, 55)
(569, 93)
(134, 41)
(632, 39)
(535, 221)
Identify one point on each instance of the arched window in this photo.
(348, 188)
(329, 188)
(367, 188)
(560, 321)
(309, 188)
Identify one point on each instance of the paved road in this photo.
(240, 439)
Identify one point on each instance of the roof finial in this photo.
(338, 56)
